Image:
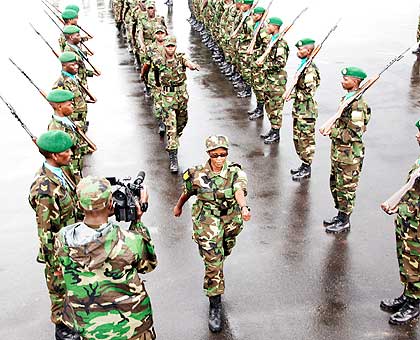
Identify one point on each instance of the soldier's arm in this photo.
(144, 248)
(281, 55)
(239, 188)
(188, 63)
(356, 125)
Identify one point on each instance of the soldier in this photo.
(417, 50)
(118, 11)
(100, 262)
(170, 80)
(217, 216)
(347, 152)
(73, 38)
(305, 110)
(69, 80)
(407, 222)
(61, 101)
(54, 202)
(139, 13)
(275, 79)
(70, 18)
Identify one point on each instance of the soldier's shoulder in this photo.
(233, 166)
(42, 185)
(192, 172)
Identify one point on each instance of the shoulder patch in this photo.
(186, 175)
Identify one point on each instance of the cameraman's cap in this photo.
(170, 40)
(60, 96)
(67, 57)
(214, 142)
(69, 14)
(305, 42)
(355, 72)
(54, 141)
(71, 29)
(94, 193)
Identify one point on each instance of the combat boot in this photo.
(258, 112)
(246, 92)
(305, 172)
(265, 135)
(173, 161)
(393, 305)
(409, 311)
(162, 128)
(417, 50)
(342, 224)
(330, 221)
(295, 171)
(147, 91)
(62, 332)
(274, 137)
(215, 313)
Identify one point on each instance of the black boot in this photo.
(305, 172)
(162, 128)
(246, 92)
(274, 137)
(342, 224)
(417, 50)
(296, 170)
(215, 313)
(393, 305)
(265, 135)
(330, 221)
(137, 61)
(258, 112)
(62, 332)
(173, 161)
(408, 312)
(147, 91)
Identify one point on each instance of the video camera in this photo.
(126, 195)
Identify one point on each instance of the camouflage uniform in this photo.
(243, 41)
(275, 81)
(55, 207)
(347, 153)
(72, 83)
(305, 113)
(83, 72)
(173, 97)
(154, 52)
(117, 10)
(216, 217)
(147, 27)
(258, 74)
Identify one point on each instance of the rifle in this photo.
(89, 142)
(244, 17)
(327, 126)
(55, 23)
(250, 49)
(51, 6)
(315, 51)
(261, 59)
(91, 96)
(391, 204)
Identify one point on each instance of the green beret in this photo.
(248, 2)
(238, 1)
(94, 193)
(275, 21)
(69, 14)
(259, 10)
(170, 40)
(60, 96)
(305, 42)
(214, 142)
(354, 72)
(418, 124)
(71, 29)
(54, 141)
(73, 8)
(67, 57)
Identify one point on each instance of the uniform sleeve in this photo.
(359, 116)
(240, 182)
(282, 54)
(188, 186)
(146, 256)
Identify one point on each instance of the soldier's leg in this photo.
(347, 181)
(304, 138)
(333, 182)
(57, 291)
(274, 107)
(182, 113)
(171, 129)
(232, 225)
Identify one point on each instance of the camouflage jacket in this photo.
(117, 8)
(83, 72)
(215, 192)
(276, 61)
(148, 26)
(307, 84)
(245, 35)
(154, 52)
(106, 298)
(55, 208)
(346, 135)
(172, 72)
(409, 206)
(224, 19)
(79, 101)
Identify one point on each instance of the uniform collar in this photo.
(55, 174)
(223, 173)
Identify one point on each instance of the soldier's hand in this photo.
(246, 214)
(324, 131)
(385, 207)
(177, 211)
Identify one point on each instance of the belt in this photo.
(171, 88)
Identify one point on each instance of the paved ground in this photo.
(286, 278)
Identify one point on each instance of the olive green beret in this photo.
(160, 29)
(305, 42)
(67, 57)
(238, 1)
(73, 8)
(275, 21)
(71, 29)
(214, 142)
(418, 124)
(259, 10)
(170, 40)
(354, 72)
(69, 14)
(54, 141)
(60, 96)
(248, 2)
(94, 193)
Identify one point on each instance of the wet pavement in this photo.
(286, 278)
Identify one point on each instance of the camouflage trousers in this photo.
(57, 292)
(274, 103)
(418, 31)
(408, 255)
(257, 82)
(216, 237)
(175, 115)
(304, 138)
(344, 179)
(244, 66)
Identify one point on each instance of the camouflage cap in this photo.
(150, 4)
(94, 193)
(217, 141)
(160, 28)
(170, 40)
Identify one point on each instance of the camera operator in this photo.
(100, 263)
